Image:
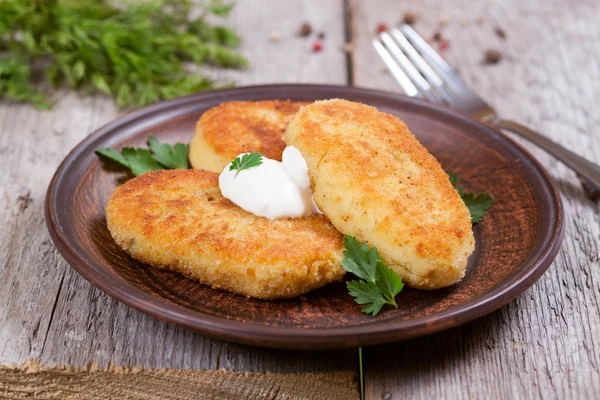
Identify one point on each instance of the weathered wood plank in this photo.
(48, 312)
(128, 384)
(545, 343)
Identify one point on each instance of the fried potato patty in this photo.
(178, 220)
(227, 130)
(374, 180)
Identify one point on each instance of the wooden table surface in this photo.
(545, 344)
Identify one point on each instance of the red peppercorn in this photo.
(382, 27)
(317, 46)
(444, 45)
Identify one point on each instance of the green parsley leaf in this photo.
(246, 161)
(379, 284)
(478, 204)
(160, 156)
(140, 160)
(170, 156)
(367, 293)
(388, 282)
(113, 155)
(359, 260)
(455, 180)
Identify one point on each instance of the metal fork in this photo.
(421, 72)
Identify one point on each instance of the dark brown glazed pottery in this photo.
(516, 241)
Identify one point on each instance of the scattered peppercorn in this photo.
(480, 20)
(382, 27)
(444, 44)
(275, 36)
(443, 21)
(317, 46)
(321, 35)
(492, 56)
(437, 36)
(409, 18)
(500, 32)
(305, 29)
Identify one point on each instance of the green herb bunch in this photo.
(137, 51)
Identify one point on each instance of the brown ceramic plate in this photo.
(516, 242)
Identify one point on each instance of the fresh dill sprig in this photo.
(136, 52)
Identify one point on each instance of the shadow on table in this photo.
(574, 191)
(430, 359)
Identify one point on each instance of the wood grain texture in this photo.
(48, 312)
(35, 381)
(545, 343)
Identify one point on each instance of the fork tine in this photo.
(443, 69)
(405, 83)
(418, 61)
(414, 75)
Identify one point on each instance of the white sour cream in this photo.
(272, 189)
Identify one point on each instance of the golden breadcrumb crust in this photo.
(178, 220)
(374, 180)
(235, 127)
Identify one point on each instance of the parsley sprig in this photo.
(135, 51)
(246, 161)
(478, 204)
(175, 156)
(378, 284)
(160, 156)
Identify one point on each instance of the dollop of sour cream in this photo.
(272, 189)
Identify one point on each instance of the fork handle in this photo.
(586, 169)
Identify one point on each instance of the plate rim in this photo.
(303, 338)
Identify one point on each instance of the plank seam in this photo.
(62, 279)
(348, 37)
